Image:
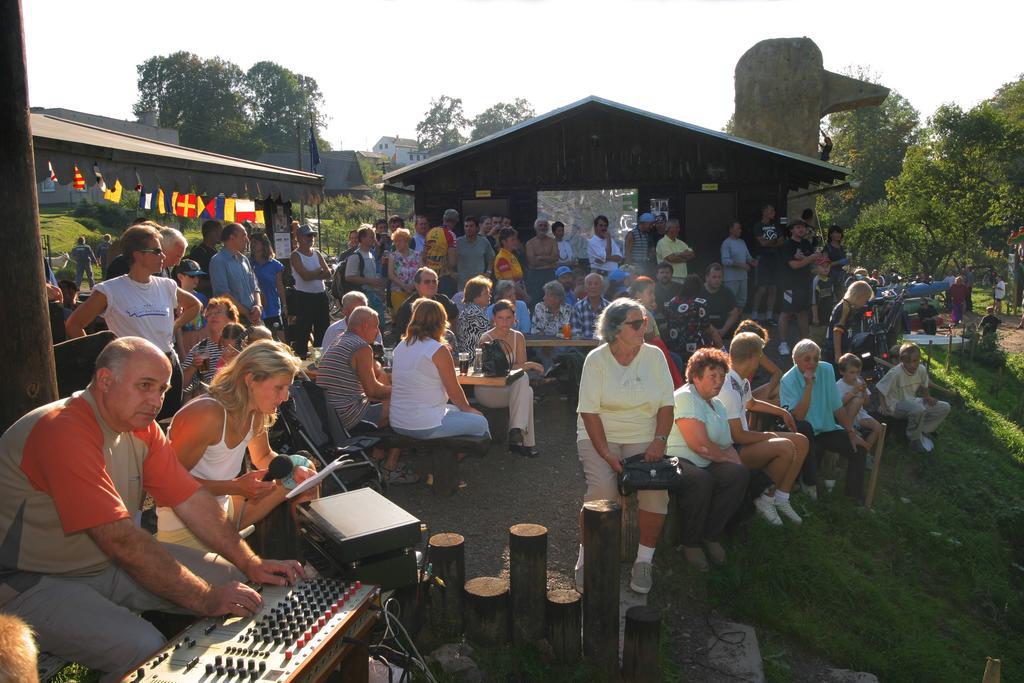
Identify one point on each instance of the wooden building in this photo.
(708, 177)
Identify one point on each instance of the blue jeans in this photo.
(454, 423)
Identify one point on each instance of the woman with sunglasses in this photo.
(625, 409)
(141, 305)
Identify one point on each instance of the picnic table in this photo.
(543, 341)
(470, 379)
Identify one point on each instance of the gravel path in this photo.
(503, 489)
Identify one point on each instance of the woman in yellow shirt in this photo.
(506, 264)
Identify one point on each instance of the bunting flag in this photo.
(99, 178)
(314, 151)
(186, 205)
(169, 199)
(229, 210)
(245, 210)
(208, 206)
(218, 212)
(146, 199)
(1016, 237)
(78, 182)
(161, 206)
(260, 218)
(115, 194)
(53, 176)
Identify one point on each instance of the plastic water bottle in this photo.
(478, 362)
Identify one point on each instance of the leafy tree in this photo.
(442, 125)
(201, 98)
(279, 102)
(872, 141)
(501, 116)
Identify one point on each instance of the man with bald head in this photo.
(73, 564)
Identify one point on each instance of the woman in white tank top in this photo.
(210, 436)
(311, 306)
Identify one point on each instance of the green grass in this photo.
(62, 229)
(917, 590)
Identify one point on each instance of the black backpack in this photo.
(339, 285)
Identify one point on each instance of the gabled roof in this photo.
(129, 159)
(340, 168)
(592, 101)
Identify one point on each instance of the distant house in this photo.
(400, 151)
(340, 170)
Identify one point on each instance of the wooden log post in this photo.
(928, 366)
(993, 670)
(564, 621)
(873, 482)
(448, 558)
(528, 578)
(487, 613)
(630, 528)
(445, 472)
(602, 527)
(949, 347)
(27, 362)
(640, 645)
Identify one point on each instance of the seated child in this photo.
(990, 322)
(854, 393)
(898, 392)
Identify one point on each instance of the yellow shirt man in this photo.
(668, 246)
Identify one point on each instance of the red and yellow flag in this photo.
(78, 182)
(186, 206)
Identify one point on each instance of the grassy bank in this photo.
(925, 586)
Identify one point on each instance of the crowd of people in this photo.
(200, 350)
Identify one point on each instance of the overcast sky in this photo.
(379, 62)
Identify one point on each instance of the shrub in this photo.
(112, 217)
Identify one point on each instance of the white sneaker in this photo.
(766, 508)
(783, 349)
(810, 490)
(928, 444)
(640, 578)
(830, 484)
(579, 579)
(787, 511)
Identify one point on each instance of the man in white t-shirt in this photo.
(780, 454)
(349, 302)
(898, 391)
(604, 253)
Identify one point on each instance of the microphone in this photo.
(280, 467)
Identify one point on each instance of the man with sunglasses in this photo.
(425, 282)
(232, 275)
(604, 253)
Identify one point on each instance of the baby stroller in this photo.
(306, 424)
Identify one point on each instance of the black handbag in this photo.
(493, 359)
(638, 475)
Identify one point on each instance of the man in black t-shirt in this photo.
(769, 238)
(797, 257)
(723, 313)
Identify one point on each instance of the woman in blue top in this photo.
(269, 276)
(714, 479)
(506, 289)
(808, 390)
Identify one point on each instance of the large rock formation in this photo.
(782, 91)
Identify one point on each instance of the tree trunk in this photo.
(27, 362)
(602, 528)
(640, 645)
(487, 613)
(564, 619)
(528, 575)
(448, 556)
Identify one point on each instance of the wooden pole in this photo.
(993, 670)
(949, 348)
(879, 449)
(640, 645)
(27, 362)
(630, 528)
(929, 366)
(448, 558)
(602, 526)
(564, 620)
(487, 613)
(528, 578)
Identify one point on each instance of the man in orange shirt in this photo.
(72, 562)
